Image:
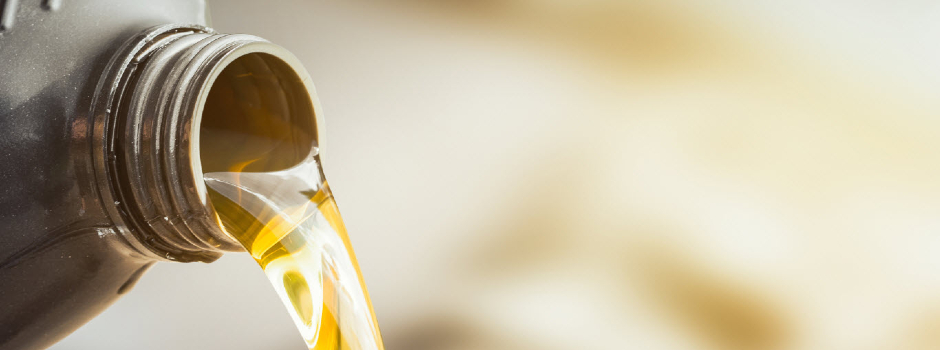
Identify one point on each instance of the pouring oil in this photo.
(264, 181)
(290, 224)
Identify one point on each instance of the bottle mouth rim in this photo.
(148, 115)
(250, 49)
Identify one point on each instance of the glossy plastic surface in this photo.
(61, 259)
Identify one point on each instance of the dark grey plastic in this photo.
(98, 175)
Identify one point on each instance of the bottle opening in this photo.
(257, 117)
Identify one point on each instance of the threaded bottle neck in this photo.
(149, 107)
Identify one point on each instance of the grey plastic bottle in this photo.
(100, 177)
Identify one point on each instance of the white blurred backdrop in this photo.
(550, 174)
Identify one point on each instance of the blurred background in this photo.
(552, 174)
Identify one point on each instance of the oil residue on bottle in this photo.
(261, 165)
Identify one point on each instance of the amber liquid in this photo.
(257, 146)
(290, 224)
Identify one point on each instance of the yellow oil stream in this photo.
(290, 224)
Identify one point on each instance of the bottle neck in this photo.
(148, 112)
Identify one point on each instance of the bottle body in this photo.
(63, 258)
